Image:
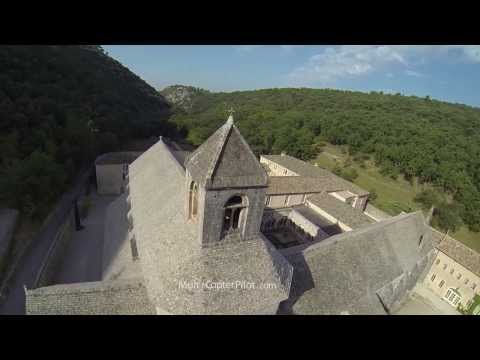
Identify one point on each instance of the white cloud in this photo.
(413, 73)
(345, 61)
(350, 61)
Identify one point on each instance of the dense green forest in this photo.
(422, 139)
(60, 106)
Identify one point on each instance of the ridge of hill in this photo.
(60, 106)
(424, 140)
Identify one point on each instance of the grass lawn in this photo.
(393, 196)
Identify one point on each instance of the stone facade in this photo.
(285, 200)
(447, 275)
(287, 166)
(211, 216)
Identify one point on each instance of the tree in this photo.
(435, 142)
(32, 184)
(428, 198)
(48, 96)
(447, 217)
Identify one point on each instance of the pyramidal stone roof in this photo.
(174, 265)
(225, 160)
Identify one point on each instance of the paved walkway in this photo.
(83, 257)
(32, 259)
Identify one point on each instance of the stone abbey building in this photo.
(216, 231)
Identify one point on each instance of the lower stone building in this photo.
(111, 170)
(291, 178)
(455, 273)
(193, 233)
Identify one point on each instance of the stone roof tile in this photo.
(344, 212)
(307, 170)
(462, 254)
(278, 185)
(345, 272)
(225, 160)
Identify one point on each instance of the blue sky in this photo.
(445, 72)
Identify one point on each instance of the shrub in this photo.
(337, 170)
(350, 174)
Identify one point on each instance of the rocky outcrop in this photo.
(182, 96)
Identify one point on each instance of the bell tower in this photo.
(225, 188)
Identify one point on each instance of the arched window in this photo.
(193, 201)
(233, 214)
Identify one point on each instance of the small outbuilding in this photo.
(111, 171)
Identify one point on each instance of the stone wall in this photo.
(211, 212)
(283, 201)
(440, 278)
(395, 293)
(120, 297)
(277, 201)
(53, 259)
(117, 257)
(296, 199)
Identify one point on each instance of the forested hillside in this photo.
(424, 140)
(59, 107)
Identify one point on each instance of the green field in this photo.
(393, 196)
